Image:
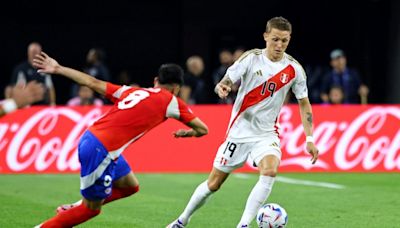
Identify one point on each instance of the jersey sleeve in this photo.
(114, 92)
(177, 109)
(299, 87)
(239, 68)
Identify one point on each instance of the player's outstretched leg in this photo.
(268, 167)
(200, 196)
(74, 216)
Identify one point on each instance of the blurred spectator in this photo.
(346, 78)
(315, 75)
(25, 72)
(238, 52)
(124, 78)
(225, 60)
(21, 96)
(85, 97)
(193, 89)
(336, 95)
(95, 67)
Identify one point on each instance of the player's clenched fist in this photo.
(222, 90)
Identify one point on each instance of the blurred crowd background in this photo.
(350, 51)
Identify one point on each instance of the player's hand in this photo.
(45, 64)
(182, 133)
(222, 90)
(313, 151)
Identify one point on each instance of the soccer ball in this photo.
(272, 215)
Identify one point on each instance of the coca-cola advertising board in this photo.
(349, 138)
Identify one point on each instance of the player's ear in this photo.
(176, 89)
(265, 34)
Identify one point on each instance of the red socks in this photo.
(79, 214)
(71, 217)
(118, 193)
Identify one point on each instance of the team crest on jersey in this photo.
(284, 78)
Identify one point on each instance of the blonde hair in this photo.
(279, 23)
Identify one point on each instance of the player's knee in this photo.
(94, 213)
(135, 189)
(269, 172)
(131, 190)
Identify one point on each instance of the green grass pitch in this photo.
(368, 200)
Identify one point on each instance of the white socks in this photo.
(256, 198)
(199, 197)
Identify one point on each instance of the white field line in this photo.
(309, 183)
(297, 181)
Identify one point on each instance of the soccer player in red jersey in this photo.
(105, 175)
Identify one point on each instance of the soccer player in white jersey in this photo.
(266, 77)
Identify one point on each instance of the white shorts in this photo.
(232, 155)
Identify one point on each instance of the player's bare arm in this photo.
(48, 65)
(307, 121)
(198, 129)
(224, 87)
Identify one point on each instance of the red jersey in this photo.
(135, 112)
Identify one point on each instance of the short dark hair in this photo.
(170, 73)
(279, 23)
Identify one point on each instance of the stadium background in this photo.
(140, 35)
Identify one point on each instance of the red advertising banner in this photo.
(350, 138)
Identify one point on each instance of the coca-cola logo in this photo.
(359, 138)
(35, 142)
(369, 140)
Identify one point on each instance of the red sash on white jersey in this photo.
(262, 92)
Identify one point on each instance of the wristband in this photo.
(310, 139)
(9, 105)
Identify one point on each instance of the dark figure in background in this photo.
(193, 89)
(85, 97)
(238, 52)
(95, 67)
(124, 78)
(336, 95)
(346, 78)
(25, 72)
(315, 76)
(225, 60)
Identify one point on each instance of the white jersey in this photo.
(264, 86)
